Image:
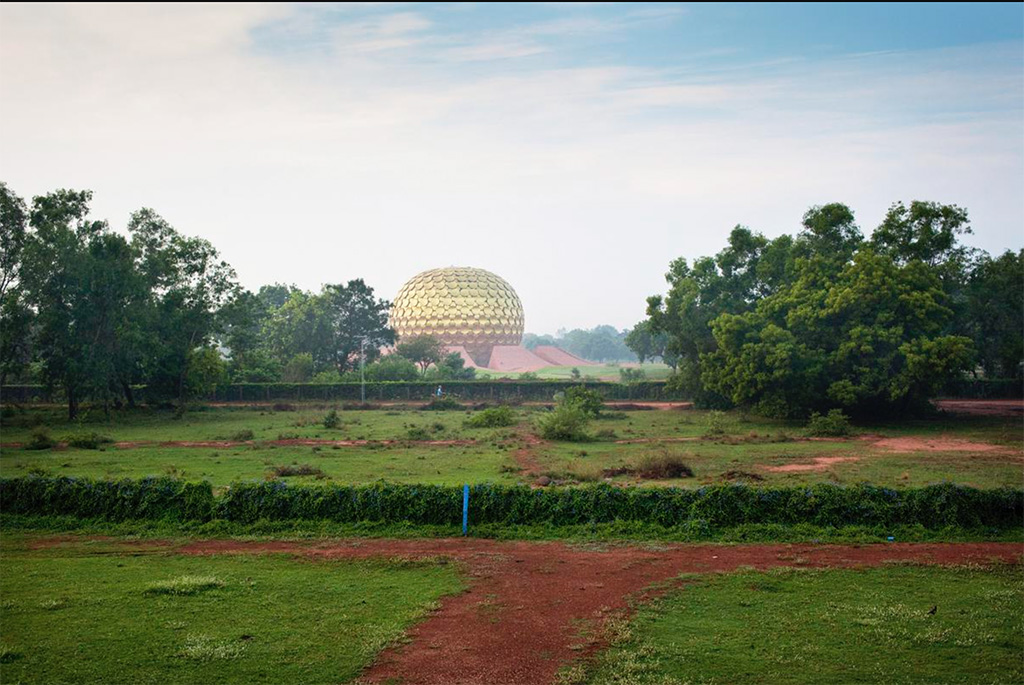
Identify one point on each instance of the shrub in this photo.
(116, 500)
(496, 417)
(40, 440)
(662, 465)
(567, 421)
(442, 404)
(297, 470)
(87, 440)
(332, 420)
(242, 436)
(714, 423)
(835, 424)
(588, 400)
(417, 433)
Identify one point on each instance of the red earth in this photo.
(527, 604)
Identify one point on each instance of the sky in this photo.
(573, 149)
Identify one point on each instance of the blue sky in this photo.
(574, 149)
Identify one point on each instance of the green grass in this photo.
(826, 626)
(89, 611)
(751, 445)
(604, 372)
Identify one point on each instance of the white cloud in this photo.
(577, 184)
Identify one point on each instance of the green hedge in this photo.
(934, 507)
(116, 500)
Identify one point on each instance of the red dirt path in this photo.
(519, 620)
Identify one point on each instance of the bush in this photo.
(496, 417)
(835, 424)
(714, 423)
(184, 585)
(442, 404)
(242, 436)
(662, 465)
(87, 440)
(567, 421)
(588, 400)
(332, 420)
(115, 500)
(417, 433)
(297, 470)
(934, 507)
(40, 440)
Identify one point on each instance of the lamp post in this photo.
(362, 370)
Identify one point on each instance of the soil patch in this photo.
(518, 621)
(936, 445)
(818, 464)
(982, 407)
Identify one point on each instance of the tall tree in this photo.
(422, 350)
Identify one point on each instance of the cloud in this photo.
(370, 146)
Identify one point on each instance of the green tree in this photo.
(423, 350)
(15, 315)
(996, 314)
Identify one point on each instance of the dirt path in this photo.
(982, 407)
(301, 442)
(522, 616)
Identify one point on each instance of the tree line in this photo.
(831, 319)
(96, 313)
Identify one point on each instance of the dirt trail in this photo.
(520, 619)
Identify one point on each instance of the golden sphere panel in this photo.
(459, 306)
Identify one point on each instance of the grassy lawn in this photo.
(826, 626)
(748, 450)
(90, 612)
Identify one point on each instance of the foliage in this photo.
(835, 424)
(601, 343)
(422, 350)
(117, 500)
(494, 417)
(567, 421)
(40, 440)
(391, 367)
(587, 399)
(933, 507)
(184, 585)
(661, 465)
(715, 423)
(631, 376)
(995, 296)
(332, 420)
(442, 404)
(88, 440)
(453, 367)
(299, 369)
(287, 471)
(828, 320)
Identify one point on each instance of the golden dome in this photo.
(459, 306)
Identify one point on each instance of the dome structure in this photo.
(460, 306)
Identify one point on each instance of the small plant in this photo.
(332, 420)
(606, 434)
(567, 421)
(40, 440)
(714, 424)
(442, 404)
(575, 374)
(8, 655)
(496, 417)
(183, 585)
(417, 433)
(661, 465)
(529, 376)
(835, 424)
(590, 401)
(287, 436)
(87, 440)
(242, 436)
(287, 471)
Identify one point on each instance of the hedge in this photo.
(116, 500)
(934, 506)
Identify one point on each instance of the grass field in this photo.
(403, 446)
(901, 624)
(977, 451)
(92, 611)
